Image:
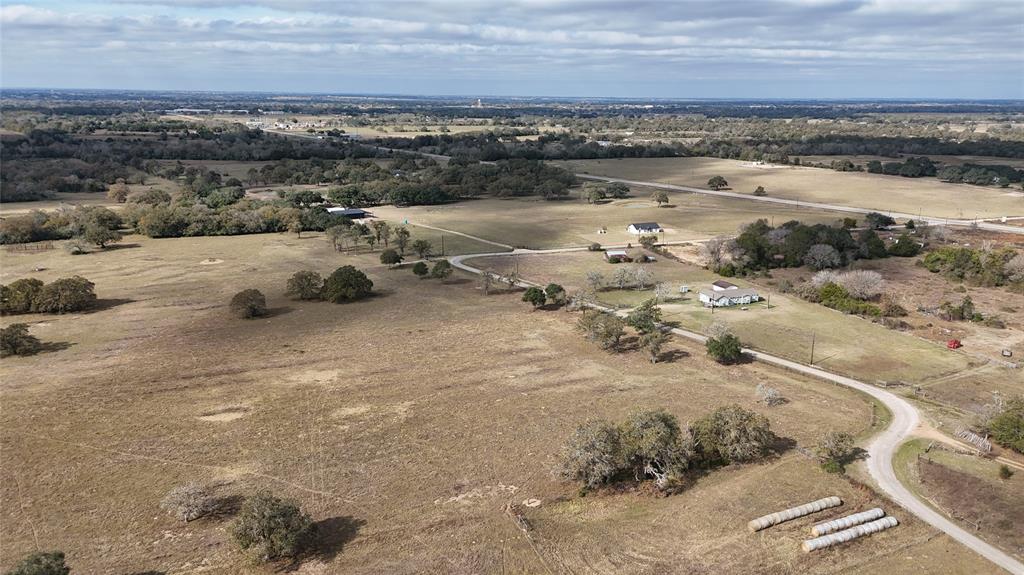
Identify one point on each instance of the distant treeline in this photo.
(489, 147)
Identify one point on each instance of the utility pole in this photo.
(812, 348)
(442, 245)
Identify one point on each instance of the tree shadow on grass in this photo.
(781, 445)
(329, 540)
(53, 346)
(457, 281)
(277, 311)
(672, 355)
(112, 247)
(227, 506)
(108, 303)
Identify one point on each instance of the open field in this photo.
(842, 343)
(967, 488)
(403, 424)
(883, 193)
(535, 223)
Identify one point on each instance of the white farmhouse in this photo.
(728, 297)
(644, 228)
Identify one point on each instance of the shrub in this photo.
(769, 395)
(271, 528)
(535, 296)
(1005, 472)
(905, 247)
(732, 434)
(305, 285)
(760, 191)
(725, 349)
(188, 502)
(594, 247)
(248, 304)
(20, 296)
(834, 449)
(555, 293)
(390, 257)
(15, 340)
(66, 295)
(832, 467)
(648, 241)
(42, 563)
(421, 269)
(605, 329)
(346, 284)
(441, 270)
(593, 454)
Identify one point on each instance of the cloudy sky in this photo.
(640, 48)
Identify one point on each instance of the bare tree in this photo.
(486, 281)
(712, 251)
(642, 276)
(595, 281)
(718, 329)
(822, 256)
(823, 278)
(862, 284)
(622, 277)
(662, 291)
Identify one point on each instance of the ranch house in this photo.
(354, 213)
(644, 228)
(728, 297)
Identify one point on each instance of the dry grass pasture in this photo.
(843, 343)
(883, 193)
(535, 223)
(403, 424)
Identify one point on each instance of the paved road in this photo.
(991, 226)
(881, 450)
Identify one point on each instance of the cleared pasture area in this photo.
(536, 223)
(842, 343)
(403, 424)
(872, 191)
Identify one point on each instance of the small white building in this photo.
(728, 297)
(621, 255)
(644, 228)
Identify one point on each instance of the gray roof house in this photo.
(644, 228)
(729, 297)
(354, 213)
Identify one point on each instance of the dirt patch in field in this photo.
(994, 507)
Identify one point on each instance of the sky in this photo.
(599, 48)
